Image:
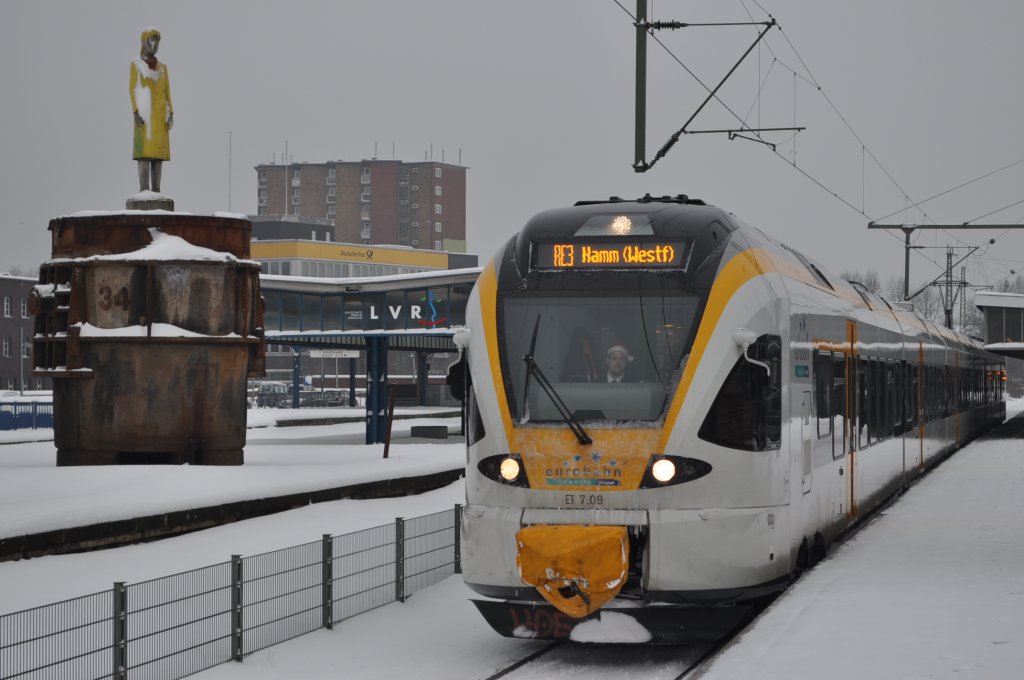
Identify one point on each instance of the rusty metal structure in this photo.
(149, 347)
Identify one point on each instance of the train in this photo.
(762, 407)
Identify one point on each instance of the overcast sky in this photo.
(537, 97)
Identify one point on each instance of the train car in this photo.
(671, 414)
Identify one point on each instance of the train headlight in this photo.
(506, 468)
(509, 469)
(663, 470)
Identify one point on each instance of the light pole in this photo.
(21, 362)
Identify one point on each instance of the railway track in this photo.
(598, 661)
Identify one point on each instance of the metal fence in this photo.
(24, 415)
(174, 626)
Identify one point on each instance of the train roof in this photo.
(668, 216)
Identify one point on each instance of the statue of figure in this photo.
(150, 90)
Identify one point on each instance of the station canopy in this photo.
(412, 311)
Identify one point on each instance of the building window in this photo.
(437, 172)
(39, 383)
(297, 173)
(7, 347)
(26, 349)
(331, 173)
(437, 190)
(7, 306)
(415, 188)
(296, 210)
(415, 206)
(437, 227)
(332, 209)
(438, 245)
(332, 191)
(415, 169)
(437, 208)
(416, 224)
(24, 308)
(10, 383)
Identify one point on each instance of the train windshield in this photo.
(607, 357)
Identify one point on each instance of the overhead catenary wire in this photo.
(810, 80)
(958, 186)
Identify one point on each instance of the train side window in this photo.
(913, 375)
(875, 401)
(885, 401)
(863, 403)
(839, 405)
(747, 411)
(895, 398)
(474, 423)
(823, 392)
(928, 394)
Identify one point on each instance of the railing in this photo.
(24, 415)
(174, 626)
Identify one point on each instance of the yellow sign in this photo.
(336, 252)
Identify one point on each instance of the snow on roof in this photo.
(992, 298)
(150, 195)
(159, 330)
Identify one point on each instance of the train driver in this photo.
(617, 360)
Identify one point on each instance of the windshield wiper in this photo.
(563, 410)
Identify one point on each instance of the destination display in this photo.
(605, 254)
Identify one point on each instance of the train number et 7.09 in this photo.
(582, 499)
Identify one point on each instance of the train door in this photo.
(805, 440)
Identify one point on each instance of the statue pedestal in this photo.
(149, 200)
(149, 324)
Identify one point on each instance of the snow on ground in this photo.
(932, 588)
(36, 496)
(436, 634)
(41, 580)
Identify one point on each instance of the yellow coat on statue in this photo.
(151, 99)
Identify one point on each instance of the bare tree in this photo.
(894, 288)
(872, 282)
(929, 306)
(973, 320)
(32, 272)
(868, 279)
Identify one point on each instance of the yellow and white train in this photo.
(670, 414)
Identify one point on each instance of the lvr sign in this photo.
(430, 312)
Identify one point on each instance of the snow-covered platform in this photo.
(38, 498)
(932, 588)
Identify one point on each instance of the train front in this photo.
(589, 499)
